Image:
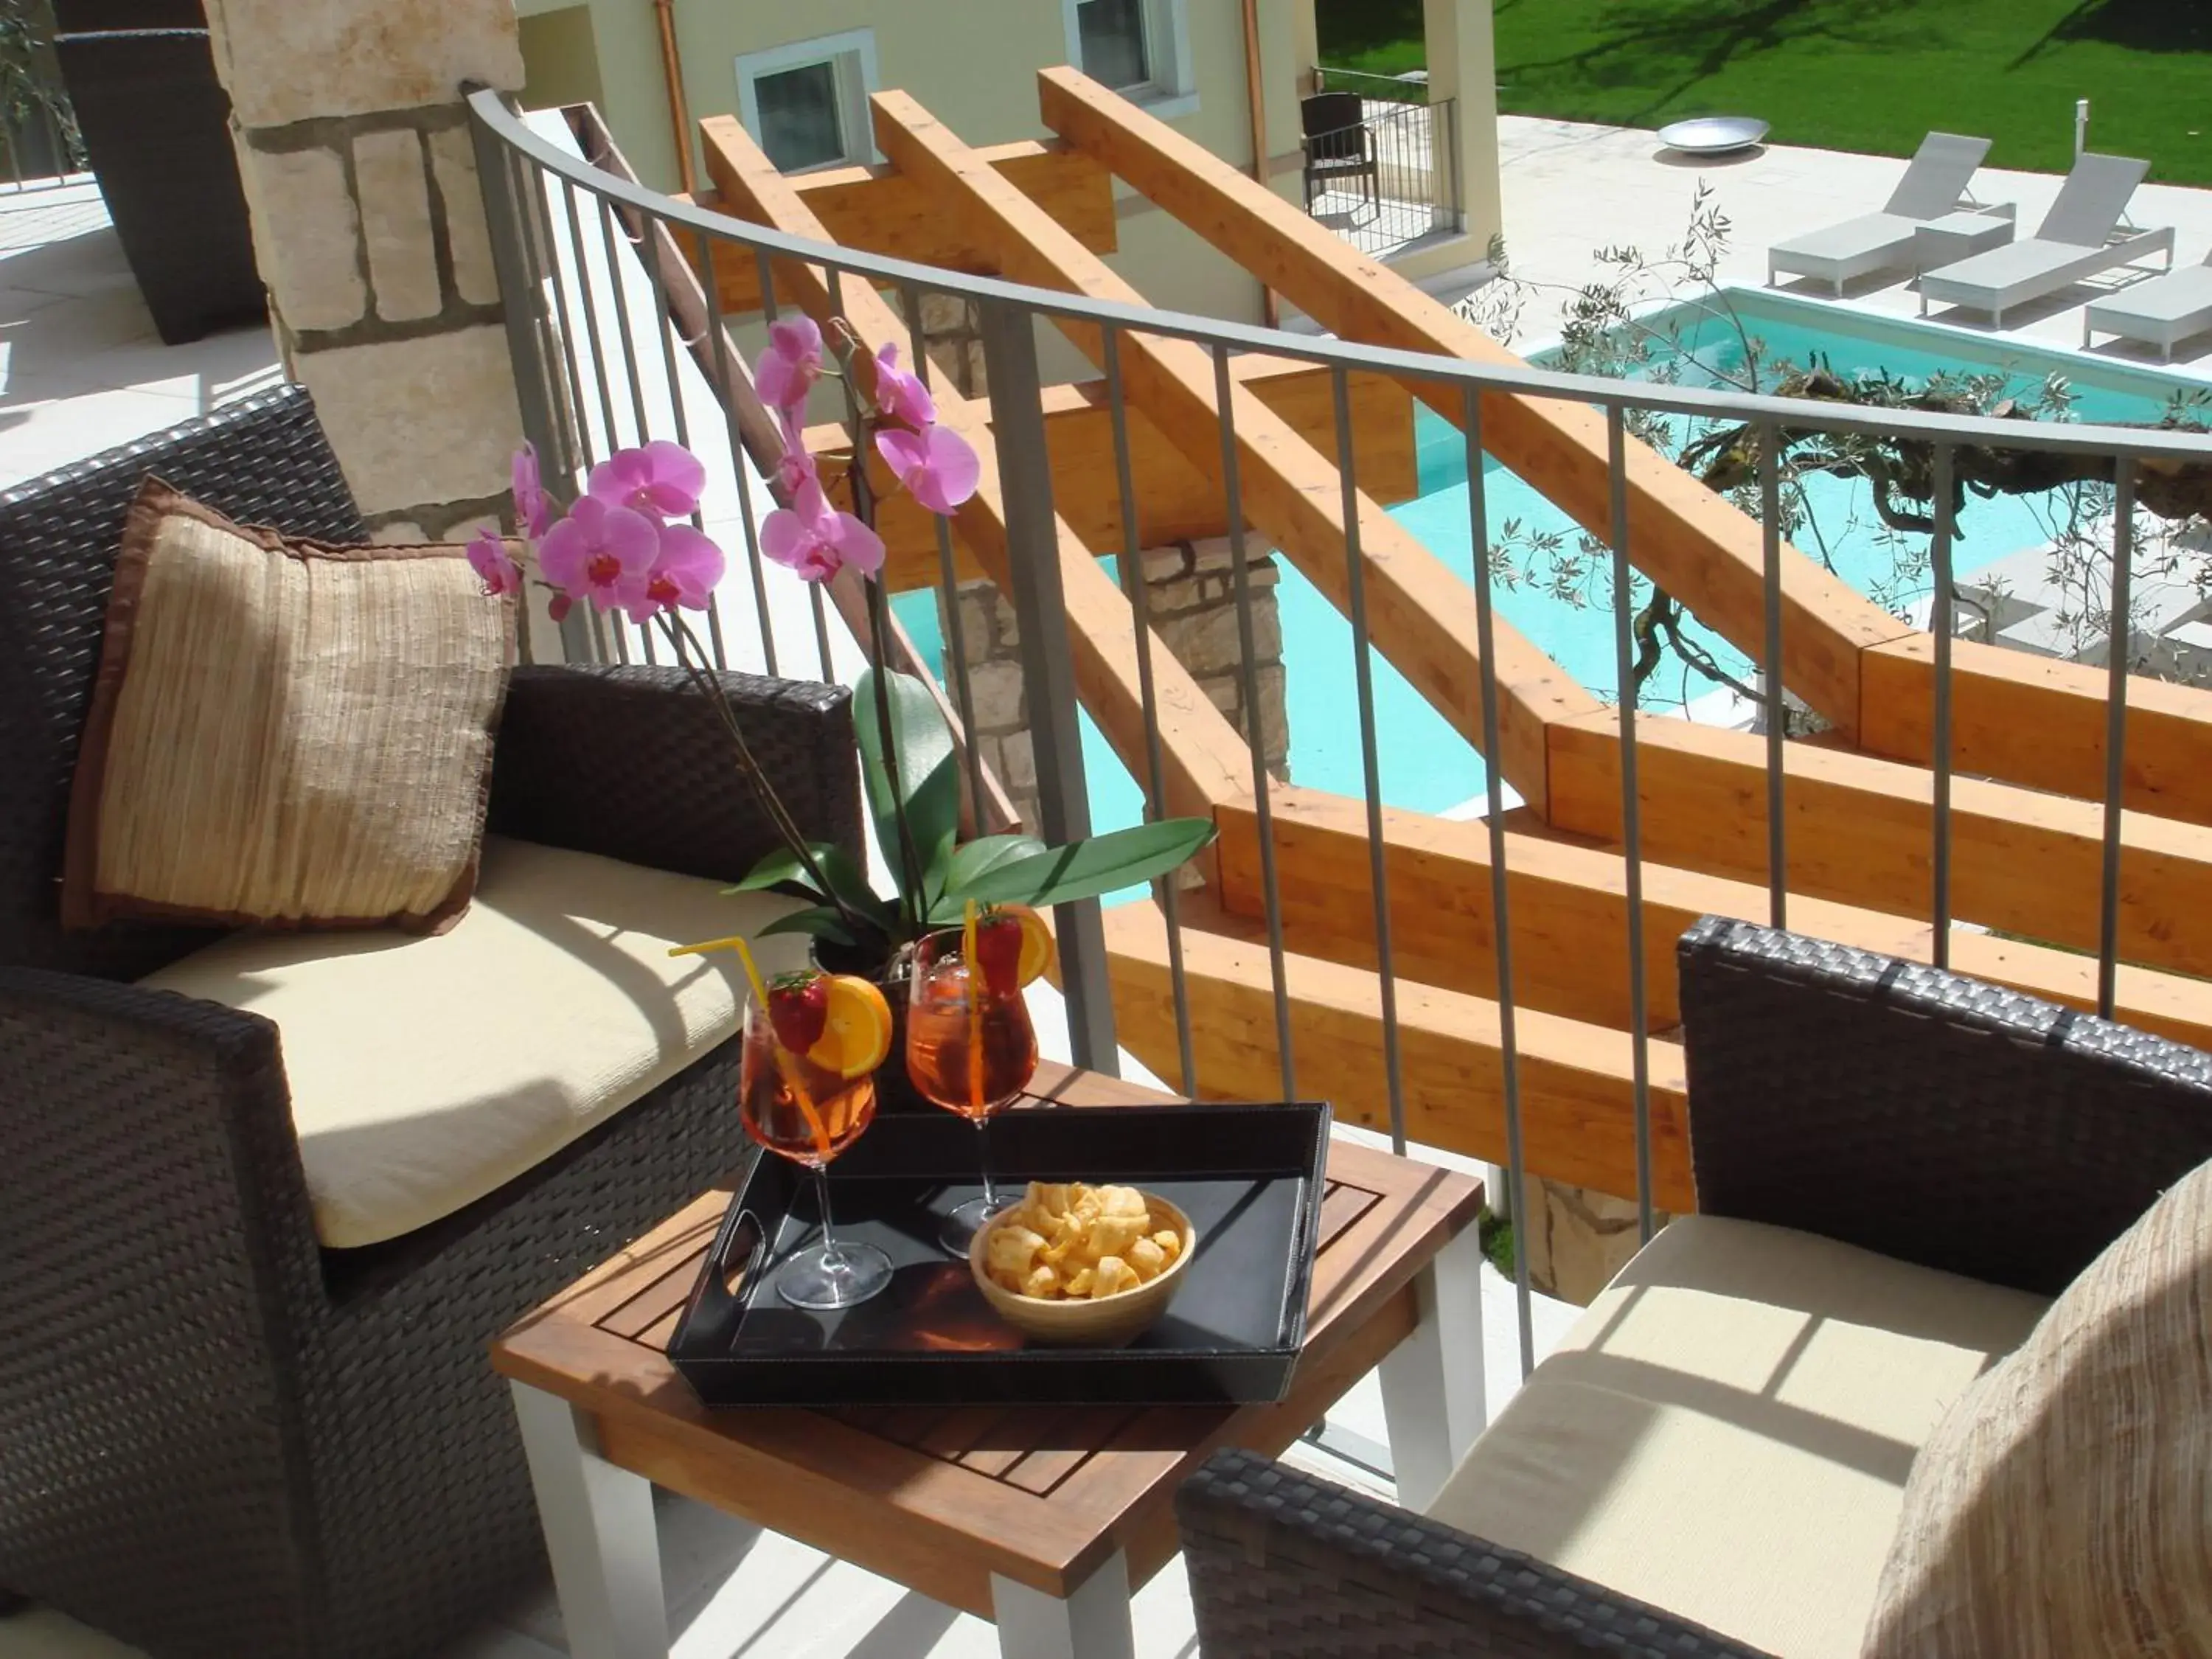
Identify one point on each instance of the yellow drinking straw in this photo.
(783, 1068)
(974, 1010)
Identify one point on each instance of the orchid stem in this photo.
(911, 898)
(689, 657)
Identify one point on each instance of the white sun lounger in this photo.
(1931, 188)
(2080, 236)
(2162, 312)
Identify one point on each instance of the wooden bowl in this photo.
(1082, 1322)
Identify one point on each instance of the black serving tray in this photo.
(1249, 1177)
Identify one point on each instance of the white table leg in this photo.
(599, 1531)
(1433, 1394)
(1091, 1624)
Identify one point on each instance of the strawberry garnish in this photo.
(799, 1010)
(998, 953)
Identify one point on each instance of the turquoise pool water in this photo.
(1425, 764)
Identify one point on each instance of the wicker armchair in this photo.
(218, 1438)
(1926, 1117)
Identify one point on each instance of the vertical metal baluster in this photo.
(526, 184)
(948, 575)
(650, 250)
(1942, 624)
(1501, 928)
(618, 288)
(1777, 707)
(600, 626)
(1253, 731)
(520, 302)
(741, 461)
(1132, 584)
(1631, 827)
(1040, 602)
(585, 453)
(2120, 638)
(1378, 874)
(768, 309)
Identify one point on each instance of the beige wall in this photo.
(972, 63)
(561, 59)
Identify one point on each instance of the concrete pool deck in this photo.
(1570, 186)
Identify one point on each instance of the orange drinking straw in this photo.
(783, 1068)
(974, 1012)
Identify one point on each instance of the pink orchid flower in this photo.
(817, 540)
(597, 550)
(489, 559)
(936, 465)
(792, 364)
(684, 572)
(794, 468)
(533, 507)
(902, 396)
(659, 478)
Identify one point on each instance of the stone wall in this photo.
(1190, 596)
(1576, 1239)
(354, 150)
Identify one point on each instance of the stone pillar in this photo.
(359, 170)
(952, 335)
(1463, 66)
(1576, 1239)
(1189, 595)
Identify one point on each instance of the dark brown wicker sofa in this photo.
(218, 1438)
(1896, 1168)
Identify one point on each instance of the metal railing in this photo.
(604, 312)
(1390, 178)
(1386, 88)
(40, 145)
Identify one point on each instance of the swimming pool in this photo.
(1425, 764)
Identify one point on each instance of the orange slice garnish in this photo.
(1036, 941)
(857, 1037)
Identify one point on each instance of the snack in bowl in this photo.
(1082, 1264)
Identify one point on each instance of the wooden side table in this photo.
(1041, 1518)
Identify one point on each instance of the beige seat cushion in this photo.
(282, 733)
(426, 1071)
(1727, 1433)
(2064, 1506)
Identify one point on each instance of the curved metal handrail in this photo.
(1518, 379)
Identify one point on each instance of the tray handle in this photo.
(743, 1235)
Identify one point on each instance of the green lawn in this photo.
(1858, 74)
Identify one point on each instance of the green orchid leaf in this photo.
(781, 872)
(969, 864)
(928, 782)
(818, 922)
(1120, 858)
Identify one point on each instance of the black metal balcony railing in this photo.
(606, 314)
(39, 146)
(1388, 179)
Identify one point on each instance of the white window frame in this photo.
(1173, 89)
(851, 56)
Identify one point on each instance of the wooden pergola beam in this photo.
(1421, 612)
(1569, 917)
(877, 208)
(1577, 1099)
(1204, 761)
(1691, 542)
(2025, 720)
(1861, 831)
(1180, 494)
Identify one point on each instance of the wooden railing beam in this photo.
(1204, 761)
(1421, 613)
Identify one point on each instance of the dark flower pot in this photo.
(895, 1090)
